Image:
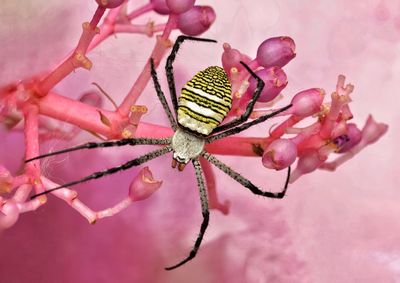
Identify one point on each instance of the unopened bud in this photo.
(276, 51)
(197, 20)
(280, 154)
(143, 185)
(307, 102)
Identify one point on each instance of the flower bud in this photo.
(307, 102)
(276, 51)
(280, 154)
(349, 140)
(109, 4)
(197, 20)
(180, 6)
(160, 6)
(9, 214)
(231, 59)
(143, 185)
(275, 81)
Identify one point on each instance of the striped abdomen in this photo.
(205, 101)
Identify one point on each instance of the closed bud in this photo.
(160, 7)
(9, 214)
(307, 102)
(143, 185)
(197, 20)
(275, 81)
(180, 6)
(280, 154)
(276, 51)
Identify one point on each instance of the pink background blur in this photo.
(332, 227)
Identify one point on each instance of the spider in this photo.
(204, 102)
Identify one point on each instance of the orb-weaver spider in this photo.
(202, 106)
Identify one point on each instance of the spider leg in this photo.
(242, 180)
(133, 141)
(161, 95)
(169, 68)
(247, 125)
(135, 162)
(250, 105)
(204, 210)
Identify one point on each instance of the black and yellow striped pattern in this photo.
(205, 100)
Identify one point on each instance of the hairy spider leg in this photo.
(242, 180)
(134, 162)
(169, 68)
(204, 210)
(90, 145)
(245, 126)
(161, 96)
(249, 108)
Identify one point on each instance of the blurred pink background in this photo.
(332, 227)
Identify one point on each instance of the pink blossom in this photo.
(345, 219)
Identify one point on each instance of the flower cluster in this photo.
(24, 101)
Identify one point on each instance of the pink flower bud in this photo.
(197, 20)
(279, 154)
(160, 6)
(109, 3)
(349, 140)
(308, 162)
(9, 214)
(372, 130)
(143, 185)
(180, 6)
(307, 102)
(276, 51)
(275, 81)
(231, 59)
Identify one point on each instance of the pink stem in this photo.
(31, 128)
(211, 188)
(76, 59)
(140, 11)
(162, 44)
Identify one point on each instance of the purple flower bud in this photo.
(197, 20)
(109, 3)
(276, 51)
(307, 102)
(143, 185)
(349, 140)
(275, 81)
(180, 6)
(279, 154)
(160, 6)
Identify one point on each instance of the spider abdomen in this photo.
(205, 100)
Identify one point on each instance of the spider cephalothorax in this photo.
(203, 104)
